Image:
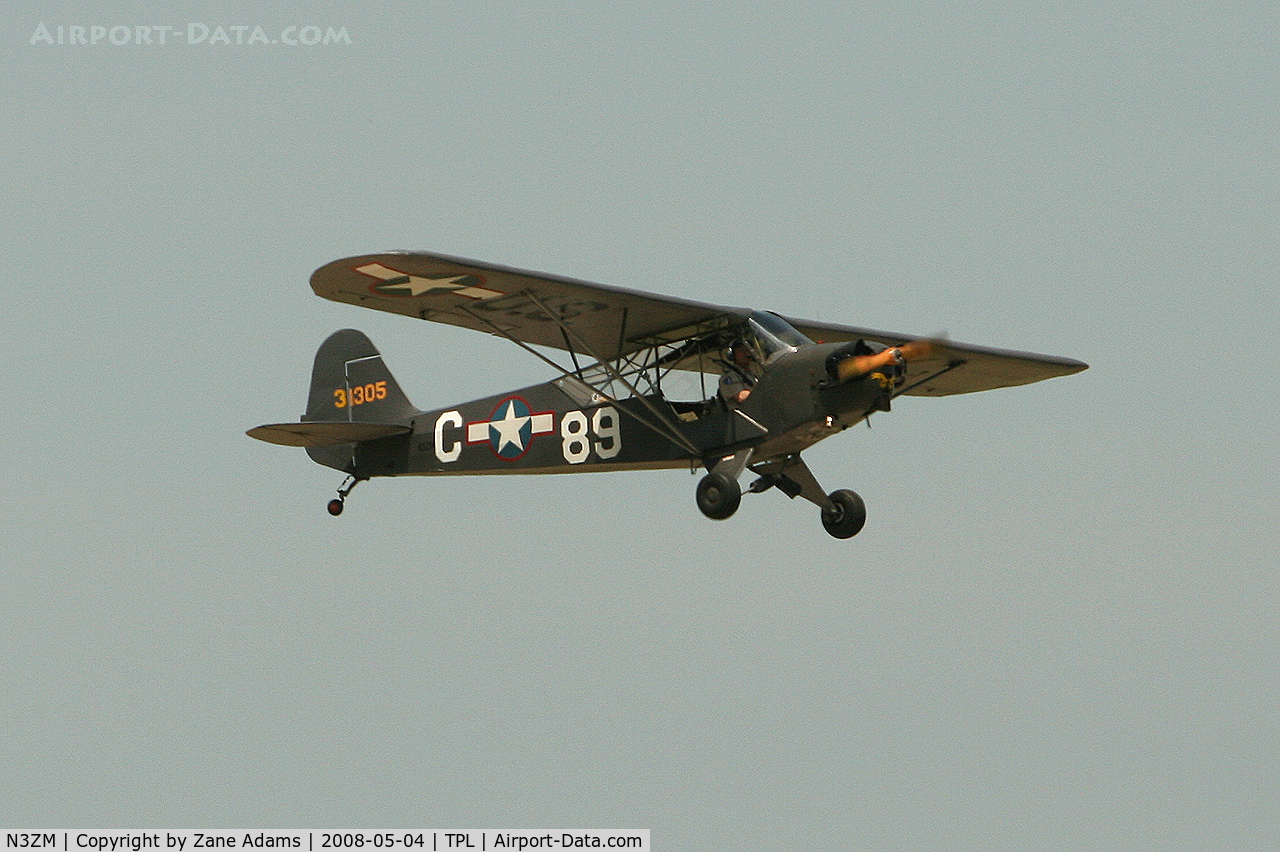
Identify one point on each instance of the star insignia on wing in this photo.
(393, 282)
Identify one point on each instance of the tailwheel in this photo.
(337, 504)
(718, 496)
(847, 514)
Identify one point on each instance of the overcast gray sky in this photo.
(1058, 630)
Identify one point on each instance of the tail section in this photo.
(351, 384)
(353, 398)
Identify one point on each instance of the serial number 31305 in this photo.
(360, 394)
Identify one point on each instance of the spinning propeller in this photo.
(860, 365)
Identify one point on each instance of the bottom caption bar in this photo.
(315, 840)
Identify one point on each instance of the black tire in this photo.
(335, 507)
(848, 516)
(718, 496)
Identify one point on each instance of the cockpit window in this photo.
(775, 335)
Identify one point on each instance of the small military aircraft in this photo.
(779, 385)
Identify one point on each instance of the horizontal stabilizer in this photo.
(324, 434)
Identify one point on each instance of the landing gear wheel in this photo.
(718, 496)
(846, 518)
(336, 504)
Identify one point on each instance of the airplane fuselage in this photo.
(565, 427)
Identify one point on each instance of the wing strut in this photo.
(526, 347)
(662, 428)
(573, 355)
(622, 329)
(617, 376)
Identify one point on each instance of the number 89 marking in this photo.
(576, 441)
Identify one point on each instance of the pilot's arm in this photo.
(734, 387)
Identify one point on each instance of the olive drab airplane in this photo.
(760, 388)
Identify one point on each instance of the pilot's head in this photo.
(740, 353)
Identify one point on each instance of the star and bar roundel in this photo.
(392, 282)
(511, 428)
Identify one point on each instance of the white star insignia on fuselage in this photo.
(509, 429)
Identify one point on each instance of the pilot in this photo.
(739, 375)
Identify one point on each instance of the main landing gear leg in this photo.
(336, 505)
(843, 512)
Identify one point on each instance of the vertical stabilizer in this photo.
(350, 383)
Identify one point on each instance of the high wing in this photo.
(951, 367)
(530, 307)
(608, 323)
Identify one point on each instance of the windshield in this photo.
(775, 335)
